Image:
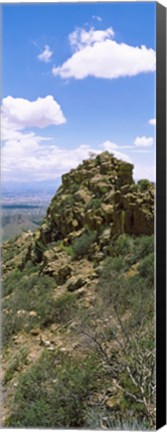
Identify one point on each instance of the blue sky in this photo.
(77, 78)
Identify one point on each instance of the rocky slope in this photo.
(74, 288)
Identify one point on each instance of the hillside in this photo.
(22, 211)
(78, 306)
(15, 224)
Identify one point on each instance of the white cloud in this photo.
(97, 55)
(20, 113)
(28, 156)
(109, 146)
(114, 148)
(81, 38)
(34, 159)
(152, 121)
(46, 55)
(25, 153)
(143, 141)
(97, 18)
(37, 158)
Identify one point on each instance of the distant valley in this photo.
(22, 211)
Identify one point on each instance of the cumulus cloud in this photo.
(143, 141)
(152, 121)
(39, 158)
(35, 159)
(97, 55)
(109, 146)
(24, 151)
(115, 149)
(46, 54)
(21, 113)
(81, 38)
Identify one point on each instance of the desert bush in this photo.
(30, 268)
(40, 246)
(144, 185)
(95, 203)
(68, 249)
(142, 246)
(74, 188)
(129, 307)
(53, 392)
(146, 269)
(60, 310)
(16, 362)
(68, 201)
(123, 245)
(99, 417)
(115, 264)
(35, 292)
(132, 248)
(10, 282)
(82, 244)
(31, 292)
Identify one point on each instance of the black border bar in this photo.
(161, 216)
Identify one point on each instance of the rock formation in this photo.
(99, 196)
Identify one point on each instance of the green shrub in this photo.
(123, 245)
(30, 268)
(146, 269)
(31, 292)
(82, 244)
(111, 265)
(53, 392)
(35, 292)
(127, 419)
(10, 282)
(143, 246)
(40, 246)
(132, 248)
(74, 187)
(144, 185)
(68, 249)
(95, 203)
(68, 201)
(60, 310)
(16, 362)
(134, 187)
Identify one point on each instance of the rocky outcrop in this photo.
(100, 194)
(96, 202)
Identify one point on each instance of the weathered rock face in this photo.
(99, 194)
(134, 211)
